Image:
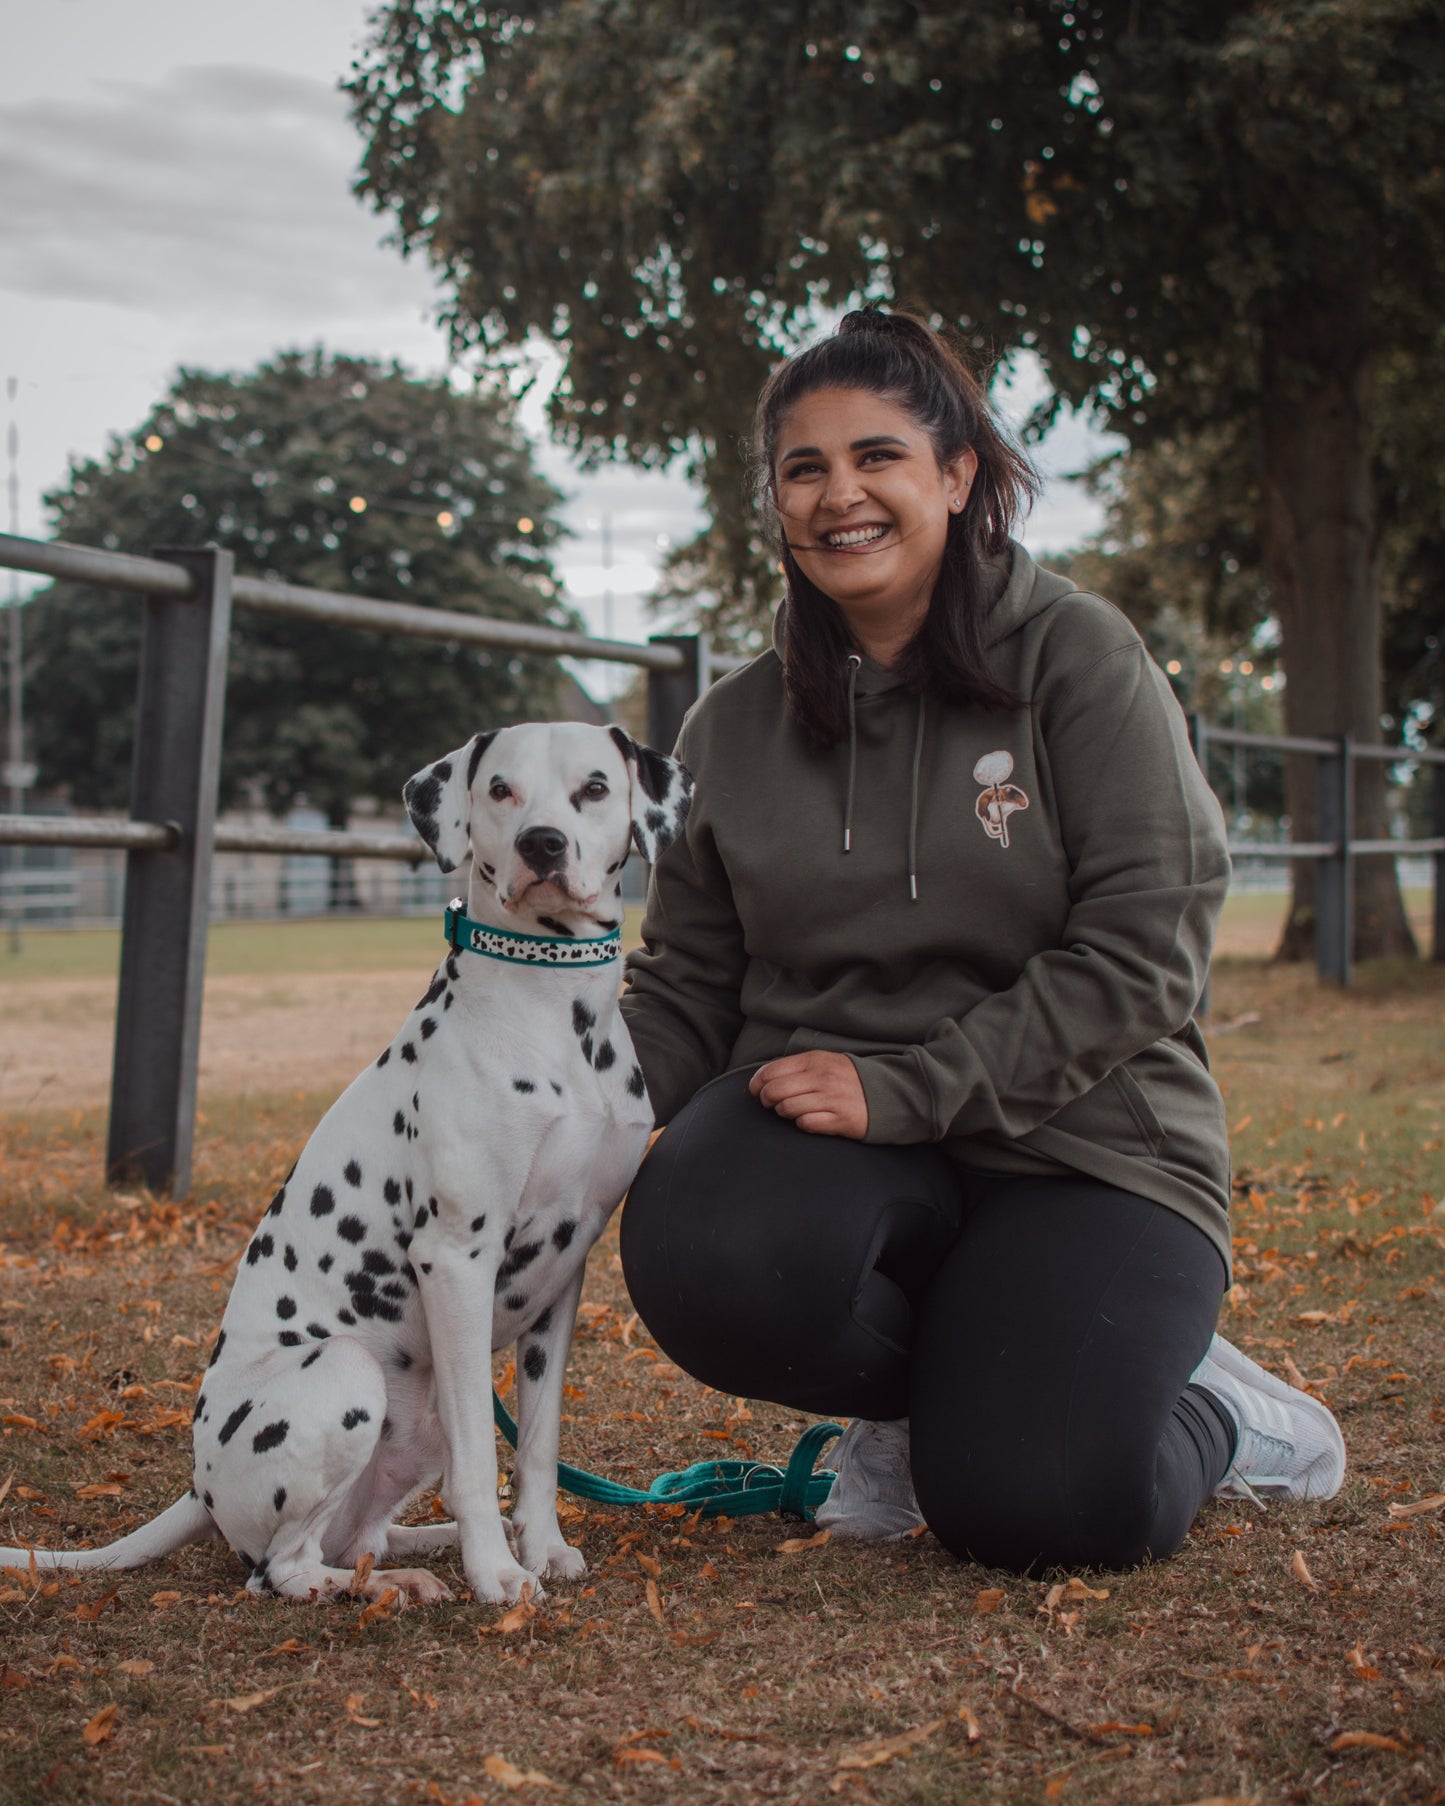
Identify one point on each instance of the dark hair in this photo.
(901, 358)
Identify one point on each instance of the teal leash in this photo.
(741, 1489)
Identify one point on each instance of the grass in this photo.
(721, 1662)
(1250, 927)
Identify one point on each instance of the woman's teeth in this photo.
(856, 536)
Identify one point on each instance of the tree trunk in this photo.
(1320, 546)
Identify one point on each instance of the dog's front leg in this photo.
(541, 1371)
(459, 1325)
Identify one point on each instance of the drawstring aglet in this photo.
(912, 887)
(847, 840)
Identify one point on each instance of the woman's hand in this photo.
(820, 1092)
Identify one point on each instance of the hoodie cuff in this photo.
(900, 1104)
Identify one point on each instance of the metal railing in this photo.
(188, 597)
(173, 833)
(1336, 853)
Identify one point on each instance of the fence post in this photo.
(670, 694)
(1199, 740)
(174, 774)
(1335, 889)
(1437, 830)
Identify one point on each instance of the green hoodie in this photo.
(1032, 1007)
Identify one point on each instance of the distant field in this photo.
(304, 1005)
(1249, 928)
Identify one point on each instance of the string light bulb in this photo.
(357, 504)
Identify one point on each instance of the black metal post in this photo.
(174, 778)
(1335, 888)
(1199, 740)
(1437, 799)
(670, 694)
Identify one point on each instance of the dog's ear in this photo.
(661, 795)
(439, 804)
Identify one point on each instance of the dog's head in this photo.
(545, 811)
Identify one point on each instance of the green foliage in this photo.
(672, 192)
(266, 463)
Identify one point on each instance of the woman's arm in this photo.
(681, 1003)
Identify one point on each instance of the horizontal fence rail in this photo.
(154, 577)
(189, 597)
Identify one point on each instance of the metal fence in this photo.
(1337, 850)
(173, 835)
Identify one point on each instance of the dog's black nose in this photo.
(542, 848)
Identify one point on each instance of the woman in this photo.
(915, 1001)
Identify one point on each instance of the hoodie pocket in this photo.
(1132, 1096)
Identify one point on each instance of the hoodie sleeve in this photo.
(1145, 841)
(681, 1002)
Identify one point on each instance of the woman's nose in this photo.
(842, 489)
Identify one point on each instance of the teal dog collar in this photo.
(468, 936)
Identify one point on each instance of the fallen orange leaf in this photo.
(796, 1544)
(1357, 1660)
(654, 1602)
(135, 1667)
(1419, 1507)
(100, 1489)
(988, 1599)
(162, 1600)
(1299, 1567)
(101, 1726)
(247, 1702)
(507, 1775)
(1367, 1740)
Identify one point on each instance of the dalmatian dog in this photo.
(442, 1209)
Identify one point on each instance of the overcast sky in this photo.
(175, 189)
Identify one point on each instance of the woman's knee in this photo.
(776, 1264)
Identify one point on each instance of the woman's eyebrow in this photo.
(814, 451)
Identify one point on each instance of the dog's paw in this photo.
(503, 1581)
(415, 1584)
(564, 1563)
(550, 1556)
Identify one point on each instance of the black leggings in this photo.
(1039, 1333)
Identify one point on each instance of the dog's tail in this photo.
(187, 1521)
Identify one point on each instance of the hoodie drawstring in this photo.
(855, 664)
(913, 810)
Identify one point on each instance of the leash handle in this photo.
(739, 1488)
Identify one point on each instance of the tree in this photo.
(332, 472)
(1194, 211)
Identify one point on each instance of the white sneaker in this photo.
(1289, 1445)
(872, 1498)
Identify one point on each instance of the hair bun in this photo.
(868, 319)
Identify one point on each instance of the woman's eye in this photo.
(499, 792)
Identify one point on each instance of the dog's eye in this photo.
(499, 792)
(595, 789)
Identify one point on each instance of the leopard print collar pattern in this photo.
(468, 936)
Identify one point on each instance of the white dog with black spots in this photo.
(442, 1209)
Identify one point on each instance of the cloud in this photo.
(214, 187)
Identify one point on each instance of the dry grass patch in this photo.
(1294, 1655)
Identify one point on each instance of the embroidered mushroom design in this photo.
(999, 798)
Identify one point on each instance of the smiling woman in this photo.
(1019, 1317)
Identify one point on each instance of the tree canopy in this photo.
(334, 472)
(1196, 212)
